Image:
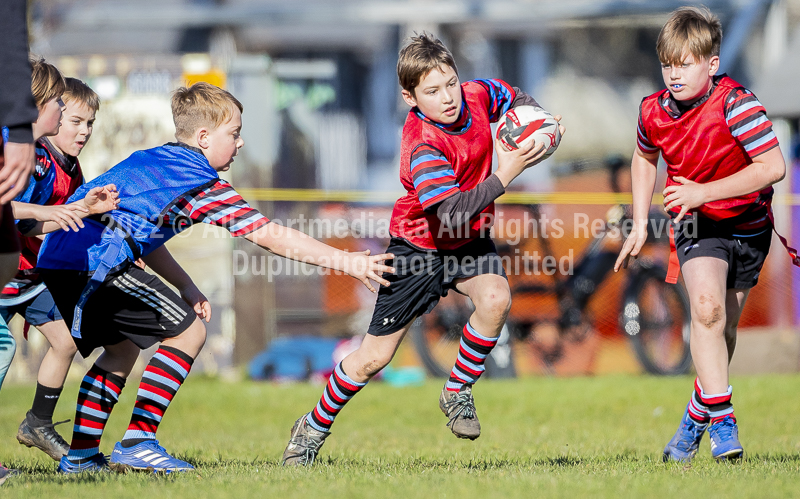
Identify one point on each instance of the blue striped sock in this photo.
(338, 392)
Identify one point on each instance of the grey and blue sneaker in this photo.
(724, 436)
(5, 473)
(98, 462)
(459, 407)
(146, 456)
(304, 444)
(686, 441)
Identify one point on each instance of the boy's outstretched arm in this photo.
(295, 245)
(643, 180)
(766, 169)
(162, 262)
(66, 216)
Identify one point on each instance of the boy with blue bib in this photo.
(722, 159)
(109, 302)
(440, 236)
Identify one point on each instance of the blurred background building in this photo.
(322, 111)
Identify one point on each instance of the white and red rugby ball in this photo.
(525, 123)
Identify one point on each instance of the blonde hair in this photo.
(422, 54)
(46, 81)
(201, 105)
(80, 92)
(694, 29)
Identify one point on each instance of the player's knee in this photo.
(495, 302)
(708, 312)
(64, 346)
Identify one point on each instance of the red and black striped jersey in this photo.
(744, 114)
(218, 204)
(714, 138)
(438, 161)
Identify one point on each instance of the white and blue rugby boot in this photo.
(98, 462)
(146, 456)
(724, 436)
(686, 441)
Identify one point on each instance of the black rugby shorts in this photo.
(422, 277)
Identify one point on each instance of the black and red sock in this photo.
(164, 375)
(99, 392)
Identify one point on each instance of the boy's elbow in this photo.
(780, 172)
(776, 172)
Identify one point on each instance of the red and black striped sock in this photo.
(472, 353)
(709, 408)
(160, 382)
(98, 393)
(339, 390)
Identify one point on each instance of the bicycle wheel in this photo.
(437, 335)
(656, 317)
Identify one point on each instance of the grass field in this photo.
(542, 437)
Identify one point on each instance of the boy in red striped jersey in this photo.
(722, 159)
(440, 236)
(40, 209)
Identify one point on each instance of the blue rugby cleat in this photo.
(146, 456)
(724, 436)
(685, 442)
(98, 462)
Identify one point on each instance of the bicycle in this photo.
(653, 314)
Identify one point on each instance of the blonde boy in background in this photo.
(722, 158)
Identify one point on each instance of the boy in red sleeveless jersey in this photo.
(440, 238)
(722, 158)
(42, 208)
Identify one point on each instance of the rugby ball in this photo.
(526, 123)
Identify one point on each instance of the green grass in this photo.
(542, 437)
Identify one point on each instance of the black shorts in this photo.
(130, 304)
(745, 253)
(422, 277)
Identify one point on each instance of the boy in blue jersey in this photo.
(112, 303)
(439, 236)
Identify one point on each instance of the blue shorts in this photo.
(39, 310)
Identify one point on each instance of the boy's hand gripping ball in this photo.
(524, 123)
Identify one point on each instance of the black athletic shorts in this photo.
(745, 253)
(130, 304)
(422, 277)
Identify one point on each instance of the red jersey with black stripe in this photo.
(709, 141)
(437, 161)
(55, 178)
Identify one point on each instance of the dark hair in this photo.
(422, 54)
